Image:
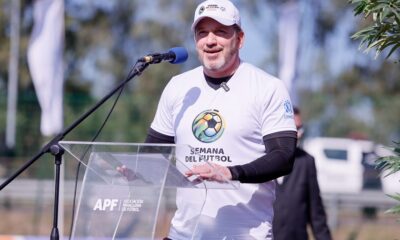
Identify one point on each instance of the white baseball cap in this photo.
(222, 11)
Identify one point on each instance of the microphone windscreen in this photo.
(181, 55)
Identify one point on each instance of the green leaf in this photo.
(395, 197)
(390, 163)
(390, 53)
(360, 6)
(385, 30)
(396, 209)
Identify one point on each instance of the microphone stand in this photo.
(57, 151)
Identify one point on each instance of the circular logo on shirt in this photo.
(288, 107)
(208, 126)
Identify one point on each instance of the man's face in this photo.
(218, 47)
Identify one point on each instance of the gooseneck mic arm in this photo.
(137, 71)
(175, 56)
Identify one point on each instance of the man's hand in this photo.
(214, 172)
(127, 173)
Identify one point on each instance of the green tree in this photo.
(392, 165)
(382, 33)
(383, 30)
(102, 41)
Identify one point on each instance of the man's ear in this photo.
(241, 39)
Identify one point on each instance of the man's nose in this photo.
(211, 38)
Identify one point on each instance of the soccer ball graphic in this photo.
(208, 126)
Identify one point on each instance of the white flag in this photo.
(45, 59)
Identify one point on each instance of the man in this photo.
(241, 117)
(298, 201)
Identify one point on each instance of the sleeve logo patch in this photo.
(287, 105)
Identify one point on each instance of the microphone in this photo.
(225, 86)
(175, 55)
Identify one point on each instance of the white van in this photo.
(348, 166)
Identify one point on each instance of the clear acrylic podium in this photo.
(139, 201)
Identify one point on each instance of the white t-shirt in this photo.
(227, 128)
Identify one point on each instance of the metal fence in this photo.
(27, 191)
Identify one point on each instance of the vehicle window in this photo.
(336, 154)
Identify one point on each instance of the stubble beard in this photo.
(217, 64)
(214, 65)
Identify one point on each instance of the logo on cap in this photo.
(211, 7)
(201, 10)
(222, 11)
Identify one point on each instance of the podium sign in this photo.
(128, 190)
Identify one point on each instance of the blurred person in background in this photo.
(298, 202)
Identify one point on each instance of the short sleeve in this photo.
(163, 120)
(277, 110)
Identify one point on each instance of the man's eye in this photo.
(201, 33)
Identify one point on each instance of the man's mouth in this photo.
(212, 54)
(212, 51)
